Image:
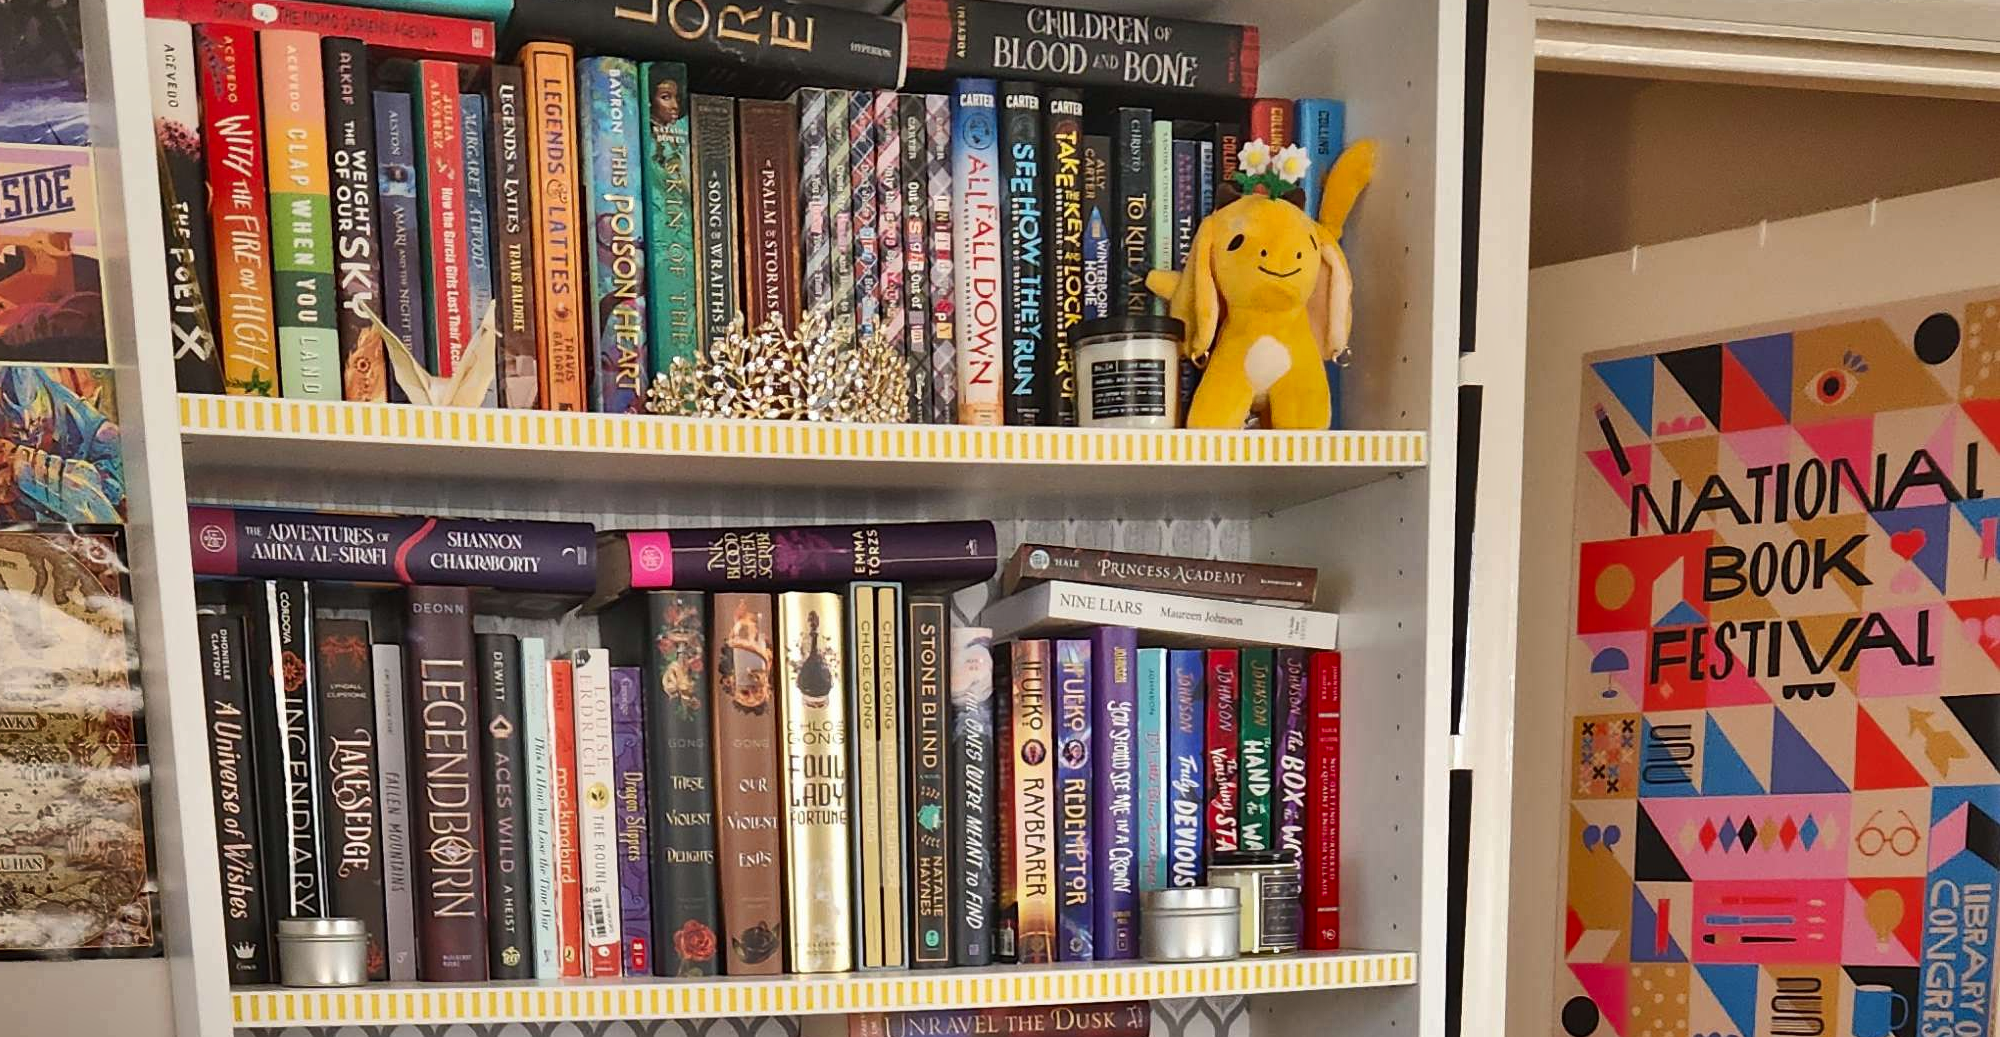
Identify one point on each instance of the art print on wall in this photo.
(41, 73)
(1783, 762)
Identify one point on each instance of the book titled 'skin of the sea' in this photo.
(447, 808)
(301, 214)
(973, 808)
(561, 230)
(348, 748)
(978, 229)
(1186, 718)
(812, 687)
(245, 924)
(749, 801)
(597, 814)
(1076, 921)
(672, 279)
(610, 117)
(1114, 665)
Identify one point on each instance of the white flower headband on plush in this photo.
(1258, 170)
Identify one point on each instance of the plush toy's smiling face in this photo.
(1266, 254)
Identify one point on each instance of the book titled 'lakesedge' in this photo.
(557, 557)
(773, 557)
(977, 229)
(610, 117)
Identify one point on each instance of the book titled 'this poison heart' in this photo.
(773, 557)
(555, 557)
(610, 116)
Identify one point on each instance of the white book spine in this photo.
(541, 806)
(1045, 608)
(976, 252)
(392, 757)
(597, 813)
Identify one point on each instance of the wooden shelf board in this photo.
(1240, 472)
(586, 1000)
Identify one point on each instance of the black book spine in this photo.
(928, 632)
(509, 923)
(344, 684)
(914, 138)
(1060, 43)
(350, 138)
(687, 911)
(791, 42)
(1065, 249)
(184, 212)
(972, 804)
(447, 815)
(1099, 290)
(286, 719)
(712, 125)
(1132, 190)
(245, 926)
(1021, 159)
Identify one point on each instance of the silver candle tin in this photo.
(1197, 923)
(322, 952)
(1268, 882)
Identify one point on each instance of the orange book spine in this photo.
(551, 75)
(562, 759)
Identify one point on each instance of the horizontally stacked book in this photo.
(750, 751)
(327, 166)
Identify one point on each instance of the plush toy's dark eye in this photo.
(1298, 255)
(1314, 242)
(1235, 242)
(1263, 251)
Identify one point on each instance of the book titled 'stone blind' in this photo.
(928, 632)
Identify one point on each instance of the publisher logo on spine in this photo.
(214, 539)
(1038, 559)
(651, 558)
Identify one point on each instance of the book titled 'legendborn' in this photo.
(557, 557)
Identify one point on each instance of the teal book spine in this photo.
(495, 11)
(1160, 247)
(1253, 809)
(608, 109)
(673, 315)
(1152, 769)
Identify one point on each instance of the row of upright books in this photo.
(770, 766)
(333, 178)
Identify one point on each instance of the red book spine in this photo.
(562, 757)
(1322, 845)
(1271, 121)
(430, 35)
(238, 208)
(444, 213)
(1221, 748)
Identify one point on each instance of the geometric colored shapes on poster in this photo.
(1982, 835)
(1681, 615)
(1937, 338)
(1851, 440)
(1744, 404)
(1981, 618)
(1737, 689)
(1580, 1016)
(1606, 986)
(1884, 921)
(1948, 835)
(1941, 745)
(1668, 760)
(1698, 370)
(1650, 939)
(1809, 832)
(1768, 920)
(1572, 929)
(1796, 767)
(1735, 989)
(1631, 381)
(1878, 763)
(1985, 414)
(1919, 535)
(1638, 461)
(1607, 757)
(1723, 772)
(1768, 361)
(1653, 860)
(1980, 716)
(1645, 561)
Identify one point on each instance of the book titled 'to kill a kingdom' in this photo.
(555, 557)
(940, 554)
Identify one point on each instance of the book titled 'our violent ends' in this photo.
(1080, 48)
(787, 557)
(556, 557)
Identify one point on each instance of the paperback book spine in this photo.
(472, 127)
(890, 316)
(799, 43)
(1057, 603)
(980, 37)
(1321, 862)
(348, 749)
(769, 132)
(350, 123)
(1205, 179)
(1065, 249)
(1025, 270)
(1114, 877)
(815, 230)
(1132, 200)
(1160, 238)
(398, 883)
(287, 741)
(1186, 195)
(914, 183)
(1120, 1019)
(245, 926)
(672, 278)
(1098, 214)
(447, 803)
(608, 97)
(928, 629)
(971, 810)
(1186, 717)
(1253, 808)
(839, 204)
(509, 918)
(1034, 802)
(1322, 129)
(977, 270)
(1077, 922)
(714, 127)
(441, 185)
(628, 752)
(811, 694)
(864, 789)
(943, 337)
(1241, 581)
(190, 257)
(563, 789)
(301, 214)
(1271, 122)
(780, 556)
(1151, 791)
(1007, 852)
(403, 311)
(891, 707)
(748, 794)
(679, 755)
(550, 69)
(864, 217)
(1221, 743)
(538, 750)
(596, 816)
(1288, 751)
(238, 208)
(467, 38)
(513, 261)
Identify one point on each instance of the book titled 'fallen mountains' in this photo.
(1084, 48)
(446, 800)
(780, 557)
(795, 43)
(1286, 585)
(556, 557)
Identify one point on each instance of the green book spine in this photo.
(1254, 808)
(672, 278)
(301, 214)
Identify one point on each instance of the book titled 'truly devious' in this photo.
(554, 557)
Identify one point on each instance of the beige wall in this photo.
(1621, 162)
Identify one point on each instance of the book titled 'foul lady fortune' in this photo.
(556, 557)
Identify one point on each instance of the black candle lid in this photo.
(1148, 324)
(1237, 858)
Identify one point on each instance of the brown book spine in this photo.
(560, 288)
(345, 684)
(1288, 585)
(448, 822)
(747, 798)
(768, 142)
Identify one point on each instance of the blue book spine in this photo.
(1206, 178)
(478, 220)
(401, 222)
(1152, 769)
(1187, 197)
(610, 115)
(1322, 131)
(1114, 732)
(538, 754)
(1075, 916)
(1187, 726)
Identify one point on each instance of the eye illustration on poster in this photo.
(60, 450)
(1784, 681)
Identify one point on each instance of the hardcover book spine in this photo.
(1221, 743)
(1186, 719)
(681, 820)
(943, 337)
(1034, 803)
(811, 690)
(245, 926)
(238, 208)
(891, 705)
(980, 37)
(513, 242)
(1321, 861)
(559, 289)
(441, 184)
(1228, 149)
(1132, 200)
(864, 789)
(1271, 122)
(472, 126)
(1059, 602)
(1114, 877)
(890, 317)
(672, 277)
(714, 128)
(1254, 716)
(1098, 290)
(1160, 240)
(1065, 249)
(798, 43)
(1119, 1019)
(748, 794)
(348, 749)
(1021, 158)
(538, 750)
(914, 184)
(864, 217)
(301, 214)
(769, 133)
(608, 98)
(1288, 751)
(781, 556)
(839, 204)
(287, 741)
(815, 230)
(1152, 769)
(628, 752)
(468, 38)
(596, 816)
(1322, 129)
(1007, 856)
(977, 270)
(403, 310)
(350, 123)
(1077, 923)
(183, 205)
(929, 639)
(971, 811)
(563, 788)
(1205, 179)
(509, 918)
(392, 731)
(447, 803)
(1187, 199)
(1240, 581)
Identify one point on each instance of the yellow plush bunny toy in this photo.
(1265, 296)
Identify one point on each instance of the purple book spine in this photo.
(1077, 922)
(1288, 738)
(628, 759)
(1114, 660)
(788, 557)
(557, 557)
(1187, 723)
